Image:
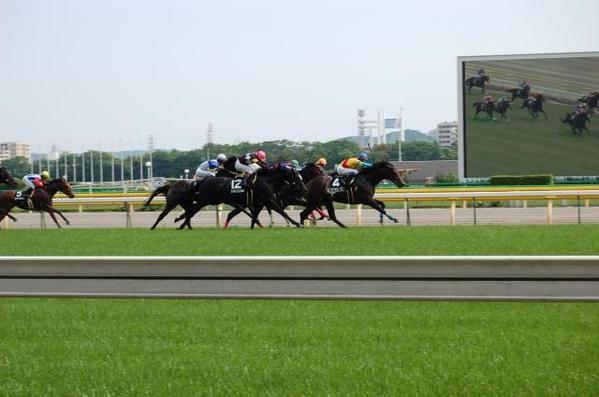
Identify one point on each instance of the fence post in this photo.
(408, 220)
(129, 222)
(359, 214)
(219, 208)
(42, 220)
(452, 213)
(474, 205)
(549, 211)
(578, 206)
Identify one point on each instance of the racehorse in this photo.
(225, 190)
(488, 108)
(577, 122)
(6, 177)
(502, 107)
(41, 199)
(520, 92)
(182, 193)
(477, 81)
(289, 196)
(592, 101)
(535, 105)
(361, 191)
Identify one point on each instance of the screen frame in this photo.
(461, 65)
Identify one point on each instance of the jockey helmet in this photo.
(322, 162)
(45, 175)
(260, 155)
(362, 156)
(295, 163)
(213, 164)
(221, 158)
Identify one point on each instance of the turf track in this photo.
(422, 240)
(73, 347)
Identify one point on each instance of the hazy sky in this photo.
(83, 73)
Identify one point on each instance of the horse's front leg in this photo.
(276, 207)
(50, 210)
(375, 204)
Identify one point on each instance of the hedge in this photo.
(521, 180)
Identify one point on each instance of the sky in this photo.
(108, 74)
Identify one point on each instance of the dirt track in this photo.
(418, 217)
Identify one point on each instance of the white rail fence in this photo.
(468, 199)
(559, 278)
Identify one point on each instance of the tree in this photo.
(18, 166)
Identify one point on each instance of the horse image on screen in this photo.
(530, 115)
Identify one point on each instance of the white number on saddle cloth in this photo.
(336, 185)
(236, 186)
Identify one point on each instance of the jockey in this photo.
(351, 166)
(489, 100)
(33, 181)
(249, 164)
(207, 169)
(295, 164)
(321, 163)
(480, 72)
(221, 158)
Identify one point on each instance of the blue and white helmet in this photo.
(362, 156)
(213, 164)
(221, 158)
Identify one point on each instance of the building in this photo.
(447, 133)
(9, 150)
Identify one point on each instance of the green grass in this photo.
(421, 240)
(292, 348)
(528, 146)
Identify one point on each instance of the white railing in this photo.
(559, 278)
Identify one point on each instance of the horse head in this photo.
(59, 185)
(6, 177)
(386, 170)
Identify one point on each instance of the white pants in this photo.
(346, 171)
(28, 183)
(250, 169)
(204, 174)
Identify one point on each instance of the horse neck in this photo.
(375, 176)
(52, 189)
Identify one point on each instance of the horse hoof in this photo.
(395, 220)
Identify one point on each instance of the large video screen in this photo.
(529, 115)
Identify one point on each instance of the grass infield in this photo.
(421, 240)
(105, 347)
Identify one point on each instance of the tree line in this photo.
(172, 163)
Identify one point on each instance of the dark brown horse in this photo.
(288, 196)
(41, 199)
(361, 191)
(182, 193)
(6, 177)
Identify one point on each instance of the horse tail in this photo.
(161, 190)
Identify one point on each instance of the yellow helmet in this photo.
(45, 175)
(322, 161)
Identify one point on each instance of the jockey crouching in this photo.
(249, 164)
(33, 181)
(350, 167)
(209, 168)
